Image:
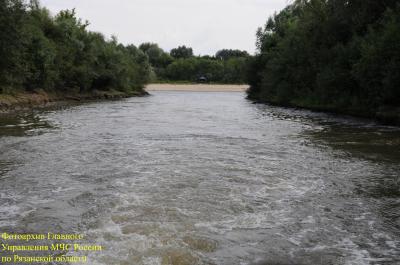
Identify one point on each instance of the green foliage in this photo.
(331, 54)
(226, 54)
(59, 53)
(235, 70)
(12, 19)
(181, 65)
(377, 71)
(192, 68)
(157, 57)
(182, 52)
(182, 69)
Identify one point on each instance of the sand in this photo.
(197, 87)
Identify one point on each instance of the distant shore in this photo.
(197, 87)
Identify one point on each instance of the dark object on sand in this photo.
(202, 79)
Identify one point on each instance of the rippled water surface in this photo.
(188, 178)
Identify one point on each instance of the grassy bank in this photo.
(27, 100)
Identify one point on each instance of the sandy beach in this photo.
(197, 87)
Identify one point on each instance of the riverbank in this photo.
(386, 116)
(26, 100)
(40, 98)
(197, 87)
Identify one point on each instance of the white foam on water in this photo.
(152, 261)
(357, 256)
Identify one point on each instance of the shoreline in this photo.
(22, 101)
(196, 87)
(387, 117)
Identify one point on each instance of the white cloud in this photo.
(205, 25)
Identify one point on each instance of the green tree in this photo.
(182, 52)
(226, 54)
(40, 51)
(12, 19)
(329, 54)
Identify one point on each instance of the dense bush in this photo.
(331, 54)
(182, 52)
(227, 66)
(59, 53)
(192, 68)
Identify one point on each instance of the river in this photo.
(188, 178)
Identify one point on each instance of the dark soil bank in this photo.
(40, 98)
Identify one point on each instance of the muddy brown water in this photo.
(204, 178)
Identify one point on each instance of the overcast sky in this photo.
(205, 25)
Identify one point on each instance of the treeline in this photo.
(59, 53)
(40, 51)
(341, 55)
(180, 64)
